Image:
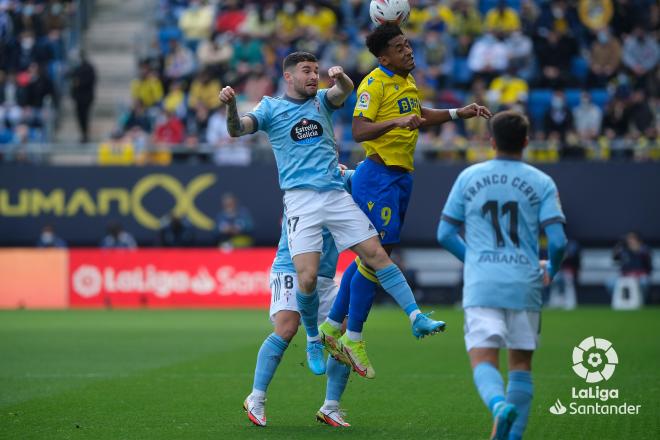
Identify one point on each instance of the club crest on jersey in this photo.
(307, 131)
(363, 101)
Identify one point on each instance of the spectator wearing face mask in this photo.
(48, 238)
(588, 118)
(640, 57)
(604, 58)
(488, 56)
(215, 53)
(554, 55)
(558, 119)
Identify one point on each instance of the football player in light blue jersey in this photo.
(299, 126)
(286, 319)
(503, 205)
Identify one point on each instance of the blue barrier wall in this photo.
(602, 201)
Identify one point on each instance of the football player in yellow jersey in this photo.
(387, 116)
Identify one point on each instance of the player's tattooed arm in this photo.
(343, 87)
(236, 126)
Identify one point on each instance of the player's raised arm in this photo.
(343, 87)
(236, 126)
(433, 116)
(364, 129)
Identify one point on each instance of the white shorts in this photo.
(283, 288)
(308, 211)
(496, 328)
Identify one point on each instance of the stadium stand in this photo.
(545, 44)
(36, 43)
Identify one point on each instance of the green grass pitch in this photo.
(184, 375)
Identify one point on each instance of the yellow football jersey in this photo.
(383, 96)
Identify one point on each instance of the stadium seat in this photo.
(538, 104)
(580, 68)
(462, 73)
(572, 97)
(600, 97)
(562, 293)
(627, 294)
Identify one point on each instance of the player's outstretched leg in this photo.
(519, 392)
(268, 359)
(394, 283)
(330, 413)
(490, 385)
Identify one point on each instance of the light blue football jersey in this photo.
(504, 204)
(329, 254)
(302, 137)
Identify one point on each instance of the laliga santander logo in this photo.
(87, 281)
(594, 359)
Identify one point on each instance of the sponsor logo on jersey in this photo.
(307, 131)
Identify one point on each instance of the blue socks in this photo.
(363, 291)
(519, 392)
(337, 378)
(340, 306)
(268, 359)
(489, 383)
(394, 283)
(308, 306)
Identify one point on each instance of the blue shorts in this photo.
(383, 194)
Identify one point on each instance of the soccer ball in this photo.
(389, 11)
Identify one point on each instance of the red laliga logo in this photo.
(166, 278)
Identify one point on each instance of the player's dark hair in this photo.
(380, 37)
(509, 129)
(294, 58)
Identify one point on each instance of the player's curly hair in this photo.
(509, 129)
(380, 37)
(294, 58)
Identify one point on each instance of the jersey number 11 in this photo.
(491, 207)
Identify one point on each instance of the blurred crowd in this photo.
(586, 71)
(32, 67)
